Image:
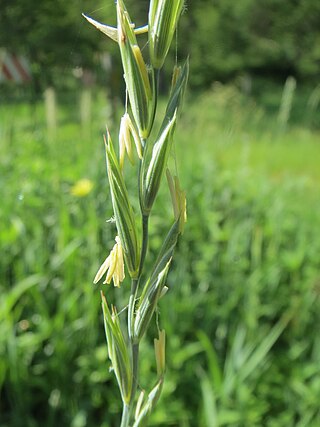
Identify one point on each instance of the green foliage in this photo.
(224, 38)
(245, 280)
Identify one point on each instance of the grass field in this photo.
(242, 314)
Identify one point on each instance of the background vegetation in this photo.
(272, 38)
(243, 312)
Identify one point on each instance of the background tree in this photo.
(271, 38)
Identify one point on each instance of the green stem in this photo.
(140, 174)
(157, 82)
(145, 236)
(135, 370)
(145, 222)
(125, 416)
(127, 409)
(132, 300)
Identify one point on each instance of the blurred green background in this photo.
(243, 314)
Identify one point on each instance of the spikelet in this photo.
(163, 19)
(140, 90)
(123, 212)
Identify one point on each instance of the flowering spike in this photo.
(131, 242)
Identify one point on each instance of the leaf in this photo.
(10, 298)
(213, 362)
(209, 402)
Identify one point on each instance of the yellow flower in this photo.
(113, 266)
(81, 188)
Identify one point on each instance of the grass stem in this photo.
(132, 300)
(125, 416)
(135, 370)
(144, 246)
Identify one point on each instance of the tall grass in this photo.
(246, 277)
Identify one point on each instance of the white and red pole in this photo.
(14, 68)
